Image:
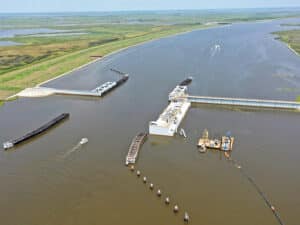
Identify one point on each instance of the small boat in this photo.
(83, 141)
(182, 133)
(186, 217)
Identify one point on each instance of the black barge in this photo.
(186, 82)
(53, 122)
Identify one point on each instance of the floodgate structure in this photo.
(180, 101)
(97, 92)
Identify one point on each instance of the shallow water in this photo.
(8, 43)
(94, 187)
(10, 33)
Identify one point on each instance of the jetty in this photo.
(42, 129)
(134, 148)
(100, 91)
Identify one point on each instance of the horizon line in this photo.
(152, 10)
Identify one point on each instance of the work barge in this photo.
(135, 147)
(100, 91)
(40, 130)
(223, 144)
(180, 101)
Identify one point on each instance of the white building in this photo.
(169, 121)
(179, 91)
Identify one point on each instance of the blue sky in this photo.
(116, 5)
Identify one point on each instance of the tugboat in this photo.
(227, 142)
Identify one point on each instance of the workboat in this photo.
(83, 141)
(227, 143)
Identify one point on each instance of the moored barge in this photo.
(134, 148)
(186, 82)
(53, 122)
(223, 144)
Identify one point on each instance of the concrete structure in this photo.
(44, 91)
(178, 92)
(169, 121)
(243, 102)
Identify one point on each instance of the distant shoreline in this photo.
(115, 52)
(293, 50)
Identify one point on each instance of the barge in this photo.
(186, 82)
(225, 144)
(42, 129)
(134, 148)
(118, 72)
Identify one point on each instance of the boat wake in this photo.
(82, 142)
(214, 50)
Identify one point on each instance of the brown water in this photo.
(45, 182)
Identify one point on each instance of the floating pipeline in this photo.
(257, 188)
(118, 71)
(42, 129)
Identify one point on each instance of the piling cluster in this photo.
(159, 194)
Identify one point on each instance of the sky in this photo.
(7, 6)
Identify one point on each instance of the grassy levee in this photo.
(31, 75)
(291, 38)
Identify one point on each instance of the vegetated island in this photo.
(292, 40)
(81, 37)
